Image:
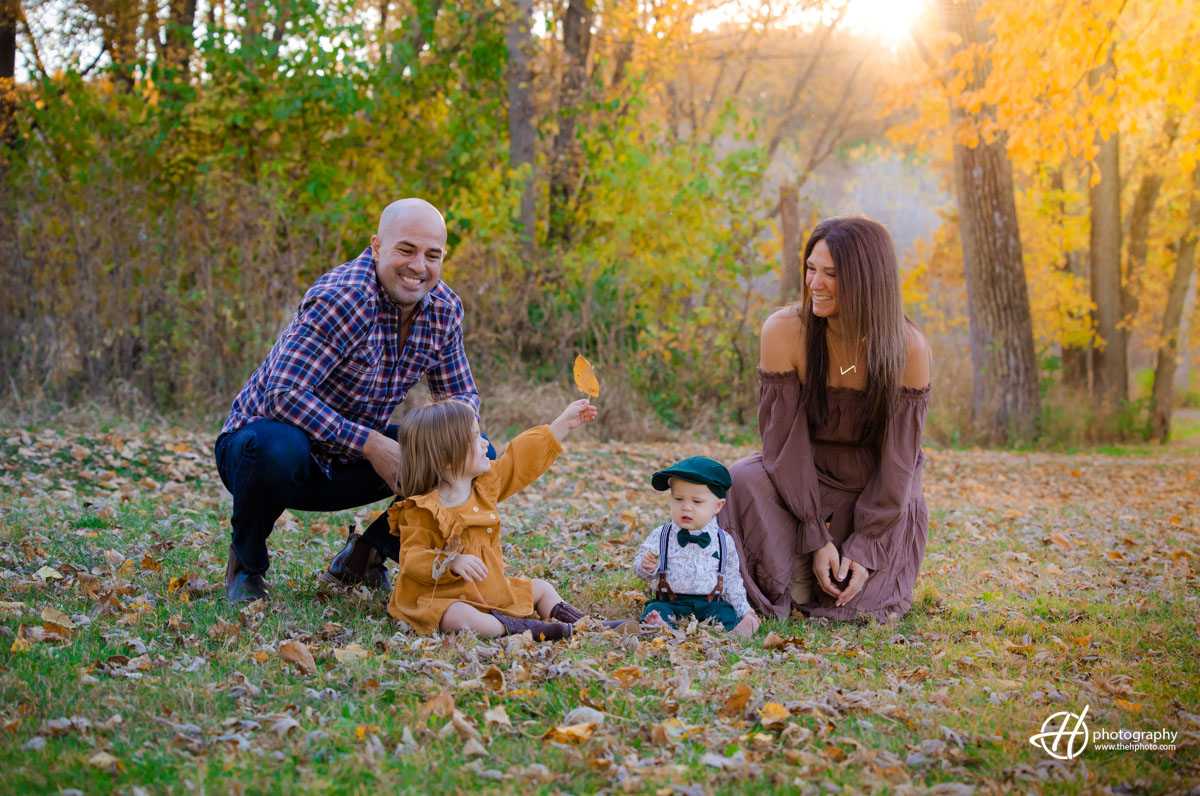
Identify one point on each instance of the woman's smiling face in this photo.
(821, 279)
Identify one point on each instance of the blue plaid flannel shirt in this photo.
(337, 371)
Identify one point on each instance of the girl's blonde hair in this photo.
(435, 441)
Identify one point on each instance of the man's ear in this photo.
(375, 244)
(720, 505)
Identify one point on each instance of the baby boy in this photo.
(694, 562)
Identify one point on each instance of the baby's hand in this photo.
(469, 567)
(649, 562)
(576, 414)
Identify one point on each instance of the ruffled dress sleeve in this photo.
(788, 455)
(524, 460)
(884, 500)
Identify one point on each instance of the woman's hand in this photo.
(576, 414)
(858, 578)
(826, 563)
(469, 567)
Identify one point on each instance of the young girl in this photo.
(451, 574)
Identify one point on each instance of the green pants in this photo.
(697, 605)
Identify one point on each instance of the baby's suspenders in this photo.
(664, 589)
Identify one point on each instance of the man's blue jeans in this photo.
(268, 467)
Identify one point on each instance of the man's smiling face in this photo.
(408, 251)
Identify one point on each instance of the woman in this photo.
(831, 517)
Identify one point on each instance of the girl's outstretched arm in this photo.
(576, 414)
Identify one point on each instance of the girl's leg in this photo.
(545, 597)
(460, 616)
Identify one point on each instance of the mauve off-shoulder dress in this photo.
(806, 489)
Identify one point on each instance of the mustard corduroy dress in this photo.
(432, 534)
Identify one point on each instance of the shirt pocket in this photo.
(361, 366)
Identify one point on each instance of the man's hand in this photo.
(649, 562)
(826, 563)
(383, 453)
(574, 415)
(469, 567)
(748, 626)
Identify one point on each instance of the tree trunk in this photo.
(384, 6)
(564, 158)
(1183, 374)
(1139, 241)
(255, 19)
(791, 271)
(181, 35)
(1005, 398)
(1168, 351)
(1104, 198)
(521, 133)
(1075, 359)
(11, 271)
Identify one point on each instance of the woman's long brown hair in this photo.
(869, 308)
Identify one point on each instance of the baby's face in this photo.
(693, 505)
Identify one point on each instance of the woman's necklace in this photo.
(853, 366)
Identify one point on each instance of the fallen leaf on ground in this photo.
(354, 652)
(736, 702)
(774, 716)
(494, 679)
(298, 654)
(573, 734)
(441, 705)
(498, 715)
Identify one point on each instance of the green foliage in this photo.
(172, 220)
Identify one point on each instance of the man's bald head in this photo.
(411, 210)
(409, 248)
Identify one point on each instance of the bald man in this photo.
(309, 429)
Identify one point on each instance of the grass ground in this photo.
(1051, 582)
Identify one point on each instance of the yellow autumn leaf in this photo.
(56, 617)
(585, 377)
(573, 734)
(352, 653)
(773, 715)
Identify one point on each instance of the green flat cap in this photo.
(696, 470)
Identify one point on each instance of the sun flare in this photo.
(889, 20)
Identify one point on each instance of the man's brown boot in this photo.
(357, 563)
(541, 631)
(241, 586)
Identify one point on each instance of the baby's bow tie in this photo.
(701, 538)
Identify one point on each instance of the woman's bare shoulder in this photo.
(917, 364)
(783, 341)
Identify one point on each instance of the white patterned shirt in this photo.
(693, 569)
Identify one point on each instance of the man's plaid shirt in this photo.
(337, 371)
